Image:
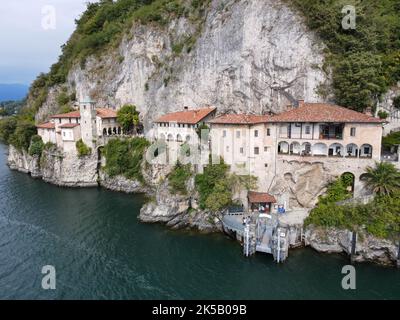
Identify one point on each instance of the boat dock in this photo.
(268, 233)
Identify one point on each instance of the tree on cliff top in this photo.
(128, 118)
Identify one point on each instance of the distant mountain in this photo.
(13, 91)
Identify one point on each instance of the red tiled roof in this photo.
(73, 114)
(106, 113)
(189, 116)
(323, 112)
(241, 119)
(47, 125)
(69, 125)
(258, 197)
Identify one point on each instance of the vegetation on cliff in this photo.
(82, 149)
(366, 60)
(128, 118)
(37, 146)
(216, 186)
(381, 217)
(101, 29)
(179, 177)
(124, 157)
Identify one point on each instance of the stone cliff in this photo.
(250, 56)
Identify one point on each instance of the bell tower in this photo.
(87, 109)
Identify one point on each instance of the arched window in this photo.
(295, 148)
(187, 138)
(306, 149)
(352, 150)
(104, 132)
(109, 131)
(115, 130)
(162, 136)
(319, 149)
(170, 137)
(283, 147)
(179, 138)
(366, 151)
(336, 150)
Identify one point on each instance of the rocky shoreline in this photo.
(179, 211)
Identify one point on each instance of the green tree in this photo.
(36, 147)
(178, 178)
(128, 118)
(384, 179)
(7, 128)
(21, 138)
(83, 149)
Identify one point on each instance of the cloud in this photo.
(26, 48)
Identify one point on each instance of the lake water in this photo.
(101, 251)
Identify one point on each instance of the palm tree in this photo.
(384, 179)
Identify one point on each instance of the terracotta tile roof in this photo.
(257, 197)
(101, 112)
(73, 114)
(323, 112)
(106, 113)
(241, 119)
(69, 125)
(47, 125)
(189, 116)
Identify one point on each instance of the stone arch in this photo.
(352, 150)
(283, 147)
(319, 149)
(306, 149)
(119, 130)
(366, 151)
(114, 130)
(104, 132)
(109, 131)
(295, 148)
(349, 179)
(363, 177)
(336, 150)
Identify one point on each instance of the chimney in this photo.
(301, 103)
(368, 111)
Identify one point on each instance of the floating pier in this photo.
(260, 232)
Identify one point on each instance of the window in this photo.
(265, 149)
(241, 150)
(256, 150)
(298, 125)
(353, 132)
(224, 133)
(268, 132)
(308, 129)
(237, 134)
(227, 149)
(266, 165)
(367, 150)
(256, 133)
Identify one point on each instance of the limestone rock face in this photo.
(368, 248)
(251, 56)
(178, 212)
(57, 168)
(67, 169)
(121, 184)
(23, 162)
(302, 182)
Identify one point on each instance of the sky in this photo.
(31, 34)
